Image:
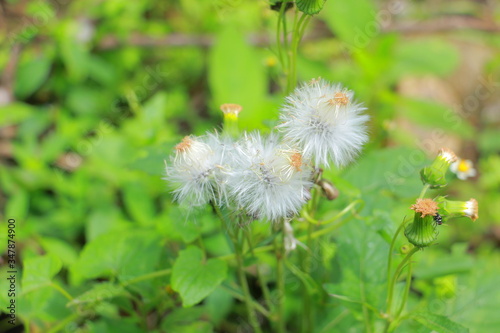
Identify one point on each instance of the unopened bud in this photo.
(329, 190)
(434, 175)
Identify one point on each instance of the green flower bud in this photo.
(422, 231)
(450, 208)
(405, 248)
(434, 174)
(231, 112)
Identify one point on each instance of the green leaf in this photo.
(39, 271)
(125, 254)
(139, 205)
(14, 113)
(98, 293)
(238, 76)
(440, 324)
(30, 76)
(57, 247)
(310, 6)
(353, 21)
(195, 278)
(362, 262)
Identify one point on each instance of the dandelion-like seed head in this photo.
(269, 180)
(324, 122)
(196, 172)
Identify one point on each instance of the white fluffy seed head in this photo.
(197, 170)
(325, 122)
(268, 180)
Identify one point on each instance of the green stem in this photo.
(148, 276)
(61, 290)
(62, 324)
(394, 280)
(278, 33)
(391, 249)
(260, 277)
(424, 189)
(241, 297)
(240, 269)
(280, 278)
(406, 291)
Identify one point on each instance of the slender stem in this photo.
(61, 325)
(148, 276)
(260, 276)
(424, 189)
(395, 278)
(280, 277)
(391, 249)
(241, 297)
(240, 269)
(406, 291)
(61, 290)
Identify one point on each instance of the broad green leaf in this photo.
(219, 304)
(362, 261)
(437, 323)
(39, 271)
(14, 113)
(57, 247)
(138, 205)
(124, 254)
(310, 6)
(236, 75)
(353, 21)
(98, 293)
(195, 278)
(30, 76)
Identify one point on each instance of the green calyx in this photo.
(434, 175)
(422, 232)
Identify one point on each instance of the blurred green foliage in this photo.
(95, 94)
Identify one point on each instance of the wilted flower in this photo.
(325, 122)
(195, 172)
(450, 208)
(434, 174)
(463, 169)
(269, 180)
(422, 232)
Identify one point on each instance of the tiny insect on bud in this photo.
(422, 231)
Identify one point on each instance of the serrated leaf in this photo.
(39, 271)
(310, 6)
(124, 254)
(193, 278)
(440, 324)
(30, 76)
(98, 293)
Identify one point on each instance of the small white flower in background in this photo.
(196, 170)
(463, 169)
(268, 180)
(325, 122)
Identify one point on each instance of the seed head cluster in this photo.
(270, 176)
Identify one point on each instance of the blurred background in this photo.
(94, 94)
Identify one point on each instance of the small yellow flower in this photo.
(463, 169)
